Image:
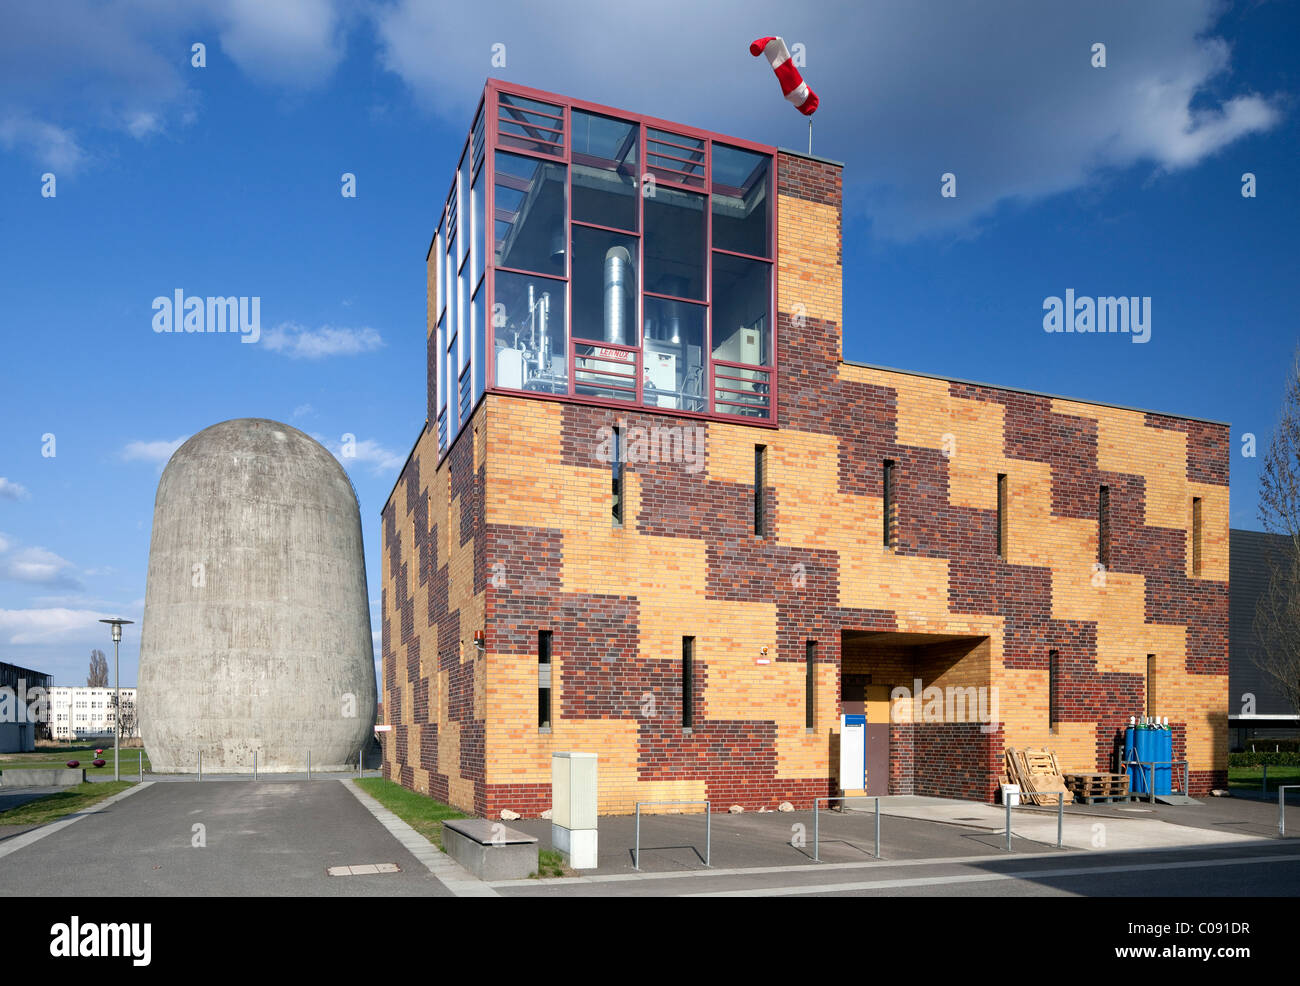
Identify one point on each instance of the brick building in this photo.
(654, 514)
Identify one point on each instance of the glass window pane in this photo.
(530, 345)
(449, 279)
(441, 353)
(604, 286)
(435, 258)
(462, 303)
(466, 213)
(480, 228)
(674, 355)
(604, 170)
(476, 334)
(529, 124)
(674, 243)
(672, 157)
(741, 317)
(740, 201)
(529, 214)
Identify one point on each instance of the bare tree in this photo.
(125, 717)
(98, 677)
(1277, 617)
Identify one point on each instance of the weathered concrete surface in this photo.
(43, 777)
(256, 632)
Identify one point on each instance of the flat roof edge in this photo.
(811, 157)
(1034, 393)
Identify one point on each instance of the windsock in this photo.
(793, 86)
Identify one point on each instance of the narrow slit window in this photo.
(1103, 526)
(544, 679)
(1053, 685)
(1002, 515)
(810, 684)
(887, 494)
(760, 481)
(688, 681)
(1196, 535)
(616, 477)
(1151, 684)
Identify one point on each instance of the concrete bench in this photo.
(489, 849)
(43, 777)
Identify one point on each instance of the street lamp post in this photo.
(117, 625)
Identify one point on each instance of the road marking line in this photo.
(460, 881)
(36, 834)
(988, 877)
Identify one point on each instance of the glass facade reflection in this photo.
(603, 257)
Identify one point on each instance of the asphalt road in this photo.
(262, 839)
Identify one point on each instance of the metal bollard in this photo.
(200, 765)
(309, 765)
(708, 833)
(1060, 818)
(140, 762)
(817, 834)
(254, 765)
(877, 828)
(1007, 802)
(636, 853)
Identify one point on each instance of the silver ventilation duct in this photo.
(618, 272)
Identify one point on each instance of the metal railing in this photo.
(360, 765)
(708, 829)
(817, 849)
(1060, 814)
(1281, 807)
(1151, 778)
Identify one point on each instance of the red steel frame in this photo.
(489, 109)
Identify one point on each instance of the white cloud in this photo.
(5, 544)
(1003, 95)
(302, 410)
(39, 566)
(158, 451)
(9, 490)
(366, 452)
(298, 342)
(295, 43)
(31, 626)
(51, 146)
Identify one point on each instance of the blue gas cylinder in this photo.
(1136, 780)
(1164, 743)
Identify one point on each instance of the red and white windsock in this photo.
(792, 84)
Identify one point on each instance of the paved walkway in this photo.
(238, 840)
(1118, 827)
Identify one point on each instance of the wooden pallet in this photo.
(1095, 785)
(1103, 799)
(1038, 774)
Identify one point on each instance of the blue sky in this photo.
(225, 180)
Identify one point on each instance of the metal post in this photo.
(817, 834)
(636, 850)
(309, 765)
(1281, 807)
(1060, 818)
(200, 765)
(140, 763)
(1151, 785)
(117, 711)
(254, 765)
(810, 134)
(877, 828)
(358, 763)
(708, 833)
(1007, 802)
(1263, 789)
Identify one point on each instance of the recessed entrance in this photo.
(931, 716)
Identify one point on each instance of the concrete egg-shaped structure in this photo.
(256, 633)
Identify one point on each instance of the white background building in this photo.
(92, 709)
